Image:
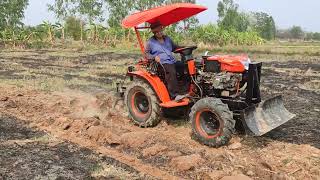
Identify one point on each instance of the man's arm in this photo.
(148, 51)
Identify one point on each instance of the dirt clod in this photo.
(63, 122)
(96, 123)
(315, 171)
(97, 133)
(154, 150)
(172, 154)
(250, 173)
(281, 176)
(235, 146)
(135, 139)
(10, 104)
(66, 127)
(112, 139)
(213, 175)
(236, 177)
(5, 98)
(267, 165)
(184, 163)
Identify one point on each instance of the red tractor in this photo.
(223, 90)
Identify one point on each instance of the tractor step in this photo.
(170, 104)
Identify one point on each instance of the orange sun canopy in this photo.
(166, 15)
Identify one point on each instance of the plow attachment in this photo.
(267, 115)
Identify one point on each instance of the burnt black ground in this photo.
(305, 127)
(40, 160)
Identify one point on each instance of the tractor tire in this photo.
(212, 122)
(142, 104)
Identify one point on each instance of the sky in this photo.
(285, 12)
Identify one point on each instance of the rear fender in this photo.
(155, 82)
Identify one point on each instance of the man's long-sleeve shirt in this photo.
(163, 50)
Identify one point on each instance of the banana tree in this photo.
(62, 29)
(22, 38)
(50, 30)
(95, 31)
(112, 36)
(8, 37)
(3, 36)
(104, 34)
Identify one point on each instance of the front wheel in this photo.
(142, 104)
(212, 122)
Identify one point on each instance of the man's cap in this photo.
(155, 25)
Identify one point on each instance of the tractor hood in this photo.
(232, 63)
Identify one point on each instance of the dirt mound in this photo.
(184, 163)
(135, 139)
(154, 150)
(103, 135)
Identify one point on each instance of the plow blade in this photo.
(267, 116)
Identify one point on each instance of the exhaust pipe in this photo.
(267, 115)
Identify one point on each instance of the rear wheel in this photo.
(142, 104)
(212, 122)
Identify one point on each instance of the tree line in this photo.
(98, 22)
(297, 33)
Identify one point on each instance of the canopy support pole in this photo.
(140, 42)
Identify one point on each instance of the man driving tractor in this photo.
(160, 47)
(223, 90)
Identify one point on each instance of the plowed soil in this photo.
(70, 97)
(26, 153)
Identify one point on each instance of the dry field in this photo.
(59, 119)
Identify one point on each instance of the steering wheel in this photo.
(186, 49)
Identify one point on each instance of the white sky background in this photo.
(285, 12)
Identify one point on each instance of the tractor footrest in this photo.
(170, 104)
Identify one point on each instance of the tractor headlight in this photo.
(246, 63)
